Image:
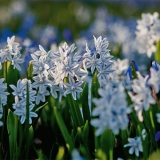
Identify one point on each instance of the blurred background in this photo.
(50, 23)
(68, 18)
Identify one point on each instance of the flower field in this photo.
(87, 90)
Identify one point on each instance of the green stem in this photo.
(85, 103)
(5, 71)
(75, 111)
(27, 120)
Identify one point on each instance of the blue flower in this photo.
(73, 87)
(135, 144)
(157, 136)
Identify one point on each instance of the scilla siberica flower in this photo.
(73, 87)
(147, 33)
(135, 145)
(141, 95)
(3, 97)
(119, 75)
(111, 109)
(99, 59)
(51, 68)
(20, 94)
(41, 63)
(11, 53)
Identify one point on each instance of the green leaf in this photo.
(29, 71)
(157, 53)
(134, 74)
(85, 132)
(12, 128)
(85, 104)
(101, 155)
(107, 143)
(12, 74)
(85, 152)
(75, 111)
(39, 108)
(64, 130)
(40, 155)
(31, 135)
(95, 86)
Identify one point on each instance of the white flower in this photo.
(22, 113)
(41, 96)
(16, 61)
(3, 94)
(68, 67)
(40, 82)
(91, 62)
(142, 95)
(11, 53)
(147, 33)
(103, 72)
(54, 89)
(12, 46)
(154, 79)
(111, 109)
(73, 87)
(135, 145)
(120, 66)
(41, 54)
(101, 45)
(99, 60)
(20, 90)
(39, 67)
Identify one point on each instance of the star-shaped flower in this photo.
(73, 87)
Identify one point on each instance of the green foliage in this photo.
(12, 120)
(157, 53)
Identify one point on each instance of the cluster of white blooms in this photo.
(20, 93)
(120, 74)
(3, 97)
(148, 33)
(99, 59)
(11, 53)
(141, 95)
(111, 109)
(54, 69)
(154, 81)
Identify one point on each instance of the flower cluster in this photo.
(11, 53)
(3, 97)
(20, 93)
(148, 33)
(120, 74)
(141, 95)
(111, 108)
(54, 69)
(99, 59)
